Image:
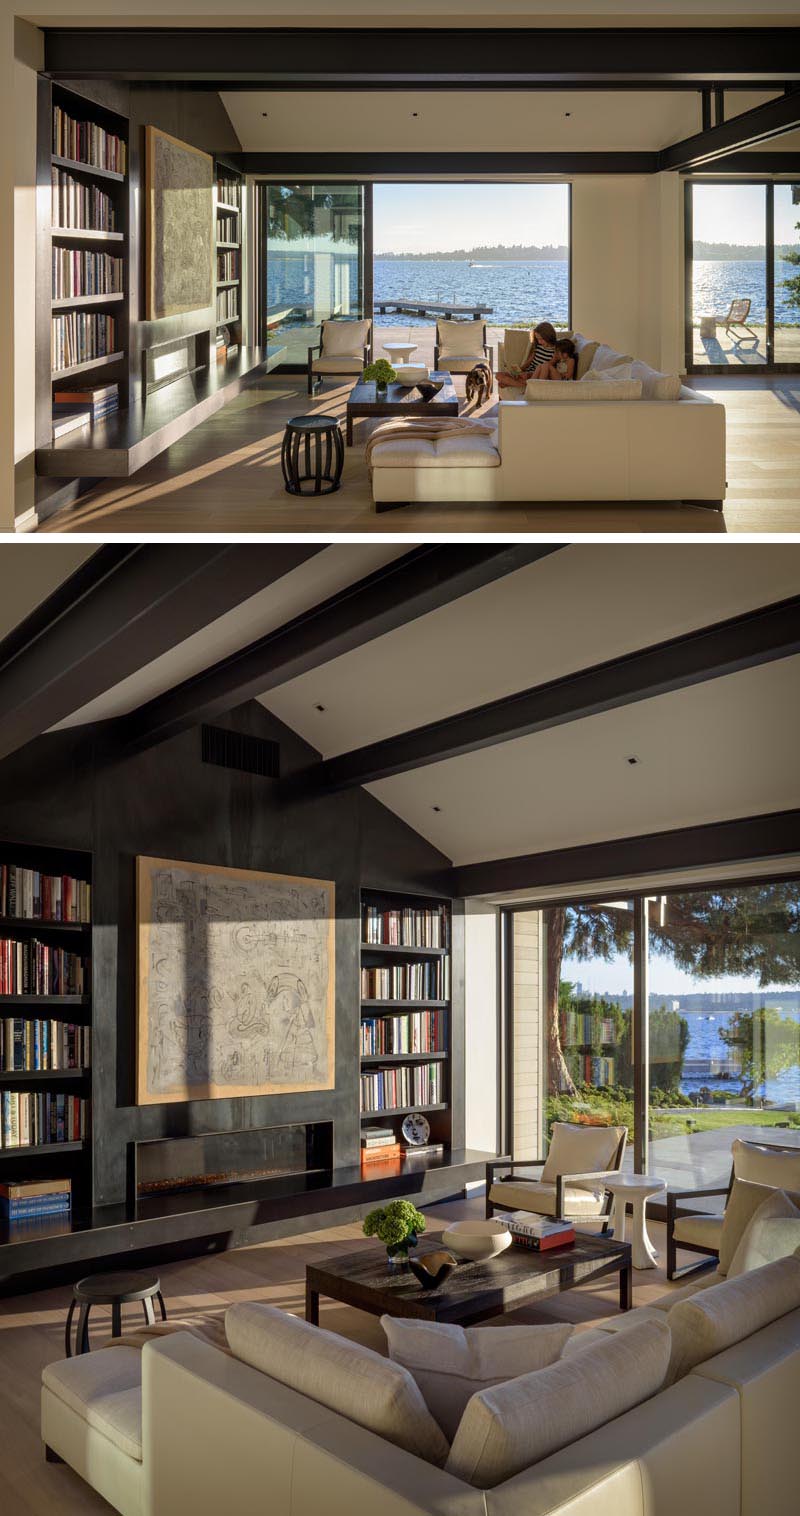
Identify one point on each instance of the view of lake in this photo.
(705, 1042)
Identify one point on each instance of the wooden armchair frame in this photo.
(676, 1208)
(315, 380)
(486, 346)
(603, 1215)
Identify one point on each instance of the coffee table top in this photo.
(473, 1291)
(364, 397)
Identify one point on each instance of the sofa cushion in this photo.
(763, 1165)
(589, 388)
(580, 1149)
(742, 1204)
(586, 351)
(340, 365)
(703, 1229)
(516, 346)
(105, 1389)
(344, 1376)
(773, 1232)
(458, 339)
(702, 1281)
(452, 1363)
(344, 339)
(716, 1318)
(579, 1200)
(655, 385)
(513, 1425)
(607, 357)
(442, 452)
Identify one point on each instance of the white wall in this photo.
(482, 1015)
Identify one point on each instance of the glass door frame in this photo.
(262, 184)
(770, 367)
(640, 1019)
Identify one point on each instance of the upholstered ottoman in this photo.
(92, 1419)
(406, 469)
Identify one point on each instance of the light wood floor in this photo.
(225, 477)
(32, 1328)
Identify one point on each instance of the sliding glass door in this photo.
(315, 263)
(787, 273)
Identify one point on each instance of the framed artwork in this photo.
(179, 184)
(235, 982)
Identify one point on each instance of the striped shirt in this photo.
(542, 352)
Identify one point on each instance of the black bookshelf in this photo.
(229, 213)
(50, 1160)
(382, 955)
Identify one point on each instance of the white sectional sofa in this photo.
(183, 1425)
(569, 449)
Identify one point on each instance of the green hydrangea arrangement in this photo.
(397, 1225)
(381, 371)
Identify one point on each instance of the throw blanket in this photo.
(419, 428)
(207, 1326)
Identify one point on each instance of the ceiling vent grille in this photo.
(238, 750)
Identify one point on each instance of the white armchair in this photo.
(460, 345)
(571, 1182)
(344, 348)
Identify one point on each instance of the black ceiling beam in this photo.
(715, 844)
(709, 652)
(412, 585)
(413, 165)
(747, 130)
(402, 58)
(123, 608)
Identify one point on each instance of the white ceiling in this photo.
(580, 606)
(30, 571)
(717, 750)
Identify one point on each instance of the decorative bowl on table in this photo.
(430, 387)
(477, 1240)
(433, 1268)
(411, 373)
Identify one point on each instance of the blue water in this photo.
(705, 1042)
(515, 290)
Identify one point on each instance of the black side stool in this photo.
(323, 478)
(115, 1290)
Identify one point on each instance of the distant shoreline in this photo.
(722, 252)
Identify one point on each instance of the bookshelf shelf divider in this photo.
(229, 207)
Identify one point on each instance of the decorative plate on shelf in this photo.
(416, 1129)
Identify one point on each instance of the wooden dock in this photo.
(432, 308)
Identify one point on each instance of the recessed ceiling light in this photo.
(566, 113)
(436, 807)
(319, 708)
(265, 113)
(415, 113)
(632, 759)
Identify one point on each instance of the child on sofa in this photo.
(541, 352)
(563, 363)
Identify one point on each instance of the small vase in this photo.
(380, 391)
(397, 1259)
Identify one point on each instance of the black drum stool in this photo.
(115, 1290)
(324, 477)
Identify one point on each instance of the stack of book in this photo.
(33, 896)
(31, 1198)
(101, 400)
(221, 346)
(69, 418)
(539, 1232)
(379, 1145)
(424, 1151)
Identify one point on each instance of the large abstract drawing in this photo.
(236, 982)
(180, 226)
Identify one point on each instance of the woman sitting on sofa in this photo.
(562, 365)
(541, 351)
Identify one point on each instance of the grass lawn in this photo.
(670, 1122)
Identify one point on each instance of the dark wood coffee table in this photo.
(400, 401)
(474, 1291)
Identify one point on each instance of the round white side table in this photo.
(400, 352)
(636, 1188)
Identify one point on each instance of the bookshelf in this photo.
(229, 222)
(89, 275)
(23, 1014)
(403, 1021)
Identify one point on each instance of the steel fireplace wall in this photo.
(203, 1161)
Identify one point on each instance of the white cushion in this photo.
(344, 339)
(763, 1165)
(451, 1364)
(342, 365)
(655, 385)
(742, 1204)
(344, 1376)
(717, 1318)
(105, 1389)
(591, 387)
(513, 1425)
(537, 1196)
(608, 357)
(580, 1149)
(516, 346)
(447, 452)
(456, 363)
(458, 338)
(704, 1230)
(773, 1232)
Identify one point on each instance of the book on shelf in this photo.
(78, 271)
(29, 1045)
(381, 1155)
(30, 895)
(373, 1133)
(531, 1224)
(30, 967)
(560, 1239)
(407, 926)
(86, 142)
(378, 1142)
(413, 1032)
(32, 1118)
(426, 1150)
(76, 206)
(101, 399)
(407, 981)
(48, 1197)
(410, 1084)
(81, 337)
(69, 418)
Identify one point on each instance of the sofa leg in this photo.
(390, 505)
(50, 1456)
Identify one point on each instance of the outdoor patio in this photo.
(746, 351)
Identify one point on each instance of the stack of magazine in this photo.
(539, 1232)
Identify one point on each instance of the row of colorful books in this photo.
(580, 1027)
(86, 142)
(81, 207)
(418, 1032)
(411, 1084)
(407, 981)
(30, 895)
(29, 1045)
(406, 927)
(33, 1117)
(35, 1197)
(80, 336)
(78, 272)
(37, 968)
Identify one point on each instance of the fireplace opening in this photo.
(211, 1160)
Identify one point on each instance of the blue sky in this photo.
(419, 218)
(599, 977)
(735, 213)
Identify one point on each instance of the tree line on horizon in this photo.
(518, 252)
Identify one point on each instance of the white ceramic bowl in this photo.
(477, 1239)
(411, 373)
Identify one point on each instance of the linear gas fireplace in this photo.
(213, 1160)
(171, 361)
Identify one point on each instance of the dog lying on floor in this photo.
(480, 382)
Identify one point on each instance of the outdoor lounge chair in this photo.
(570, 1184)
(460, 345)
(775, 1164)
(344, 348)
(737, 316)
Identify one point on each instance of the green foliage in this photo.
(791, 255)
(381, 371)
(397, 1224)
(766, 1042)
